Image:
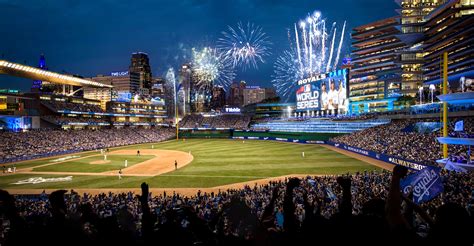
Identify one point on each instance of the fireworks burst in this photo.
(211, 67)
(286, 73)
(312, 51)
(246, 45)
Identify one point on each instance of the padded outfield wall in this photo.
(217, 133)
(289, 135)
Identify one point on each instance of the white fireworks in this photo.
(312, 51)
(287, 72)
(246, 45)
(170, 87)
(211, 67)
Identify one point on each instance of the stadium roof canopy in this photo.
(18, 70)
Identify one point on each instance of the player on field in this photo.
(175, 165)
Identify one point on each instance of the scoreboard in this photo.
(323, 92)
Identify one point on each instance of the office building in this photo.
(256, 94)
(186, 81)
(218, 98)
(450, 28)
(236, 91)
(413, 16)
(140, 64)
(123, 82)
(375, 76)
(394, 57)
(158, 88)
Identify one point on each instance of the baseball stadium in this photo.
(371, 147)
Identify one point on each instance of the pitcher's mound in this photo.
(162, 163)
(99, 162)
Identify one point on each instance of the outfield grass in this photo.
(216, 162)
(83, 164)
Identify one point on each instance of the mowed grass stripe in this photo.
(83, 165)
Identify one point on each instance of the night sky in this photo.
(88, 37)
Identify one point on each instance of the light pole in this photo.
(175, 97)
(432, 89)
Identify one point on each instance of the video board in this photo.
(323, 92)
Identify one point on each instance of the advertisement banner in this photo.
(290, 140)
(386, 158)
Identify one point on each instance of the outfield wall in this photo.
(210, 133)
(300, 136)
(248, 134)
(382, 157)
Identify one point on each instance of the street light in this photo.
(420, 89)
(432, 89)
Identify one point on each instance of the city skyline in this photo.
(81, 38)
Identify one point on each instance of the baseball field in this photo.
(201, 163)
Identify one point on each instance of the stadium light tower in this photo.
(432, 89)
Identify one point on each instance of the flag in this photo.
(426, 184)
(179, 87)
(330, 193)
(459, 126)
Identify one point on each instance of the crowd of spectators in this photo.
(221, 121)
(360, 209)
(354, 117)
(80, 107)
(136, 111)
(17, 146)
(64, 120)
(400, 140)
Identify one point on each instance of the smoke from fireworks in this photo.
(210, 67)
(312, 51)
(246, 45)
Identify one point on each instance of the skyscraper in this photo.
(140, 64)
(158, 88)
(38, 84)
(236, 94)
(449, 29)
(390, 55)
(123, 82)
(218, 98)
(376, 75)
(200, 94)
(185, 80)
(256, 94)
(413, 15)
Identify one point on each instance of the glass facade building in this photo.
(397, 56)
(375, 76)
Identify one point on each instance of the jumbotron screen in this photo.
(323, 92)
